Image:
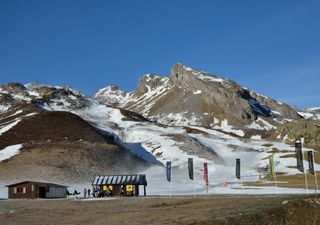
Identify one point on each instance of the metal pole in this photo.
(275, 173)
(194, 183)
(304, 169)
(275, 179)
(170, 179)
(315, 174)
(207, 188)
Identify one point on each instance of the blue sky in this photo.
(271, 47)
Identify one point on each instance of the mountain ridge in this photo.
(199, 98)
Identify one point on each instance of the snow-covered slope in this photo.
(190, 114)
(310, 113)
(159, 144)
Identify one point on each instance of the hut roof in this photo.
(138, 179)
(36, 182)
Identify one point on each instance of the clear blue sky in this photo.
(272, 47)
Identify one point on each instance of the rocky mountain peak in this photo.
(184, 75)
(14, 87)
(190, 96)
(111, 95)
(149, 82)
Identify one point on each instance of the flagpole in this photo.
(315, 173)
(194, 183)
(169, 174)
(275, 173)
(170, 179)
(304, 169)
(275, 180)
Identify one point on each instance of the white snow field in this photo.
(9, 152)
(158, 144)
(155, 144)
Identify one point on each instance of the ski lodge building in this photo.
(34, 189)
(129, 183)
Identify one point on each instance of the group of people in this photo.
(86, 194)
(75, 194)
(108, 192)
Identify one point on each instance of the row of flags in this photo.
(190, 168)
(299, 156)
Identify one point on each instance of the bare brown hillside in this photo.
(51, 126)
(60, 146)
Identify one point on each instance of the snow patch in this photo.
(178, 119)
(10, 151)
(256, 137)
(228, 128)
(197, 92)
(7, 127)
(210, 78)
(3, 108)
(305, 115)
(17, 112)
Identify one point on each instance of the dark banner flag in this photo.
(205, 172)
(299, 156)
(310, 159)
(190, 167)
(169, 171)
(238, 168)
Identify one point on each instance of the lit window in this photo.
(15, 190)
(32, 187)
(24, 190)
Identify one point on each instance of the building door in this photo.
(42, 192)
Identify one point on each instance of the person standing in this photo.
(89, 192)
(121, 191)
(67, 195)
(85, 193)
(75, 194)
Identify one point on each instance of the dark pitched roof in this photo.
(36, 182)
(138, 179)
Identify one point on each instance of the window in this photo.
(24, 190)
(15, 190)
(32, 188)
(48, 189)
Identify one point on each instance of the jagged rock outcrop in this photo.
(303, 128)
(13, 94)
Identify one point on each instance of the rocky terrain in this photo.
(45, 131)
(302, 128)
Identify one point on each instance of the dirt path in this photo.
(154, 210)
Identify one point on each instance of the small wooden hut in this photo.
(34, 189)
(129, 184)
